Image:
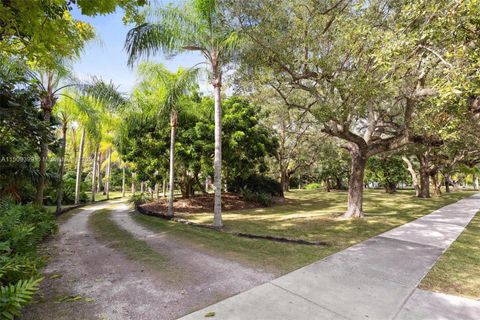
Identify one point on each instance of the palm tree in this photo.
(195, 26)
(68, 110)
(89, 123)
(174, 87)
(49, 82)
(110, 100)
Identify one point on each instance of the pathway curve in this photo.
(376, 279)
(105, 284)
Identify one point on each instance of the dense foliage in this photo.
(144, 141)
(388, 171)
(22, 228)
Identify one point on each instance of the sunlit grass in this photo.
(310, 215)
(458, 270)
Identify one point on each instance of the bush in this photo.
(313, 186)
(262, 198)
(69, 182)
(257, 184)
(22, 228)
(140, 198)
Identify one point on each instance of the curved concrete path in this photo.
(376, 279)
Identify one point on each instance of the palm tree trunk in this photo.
(94, 172)
(108, 173)
(217, 162)
(62, 169)
(42, 164)
(123, 181)
(79, 168)
(173, 128)
(99, 172)
(133, 183)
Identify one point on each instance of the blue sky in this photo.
(105, 57)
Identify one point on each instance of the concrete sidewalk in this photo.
(376, 279)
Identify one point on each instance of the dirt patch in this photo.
(200, 204)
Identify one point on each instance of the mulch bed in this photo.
(198, 204)
(204, 203)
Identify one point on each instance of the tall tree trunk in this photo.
(94, 173)
(424, 178)
(173, 133)
(447, 182)
(79, 168)
(99, 172)
(47, 114)
(62, 169)
(355, 184)
(133, 183)
(413, 174)
(123, 180)
(435, 184)
(338, 183)
(164, 188)
(74, 143)
(284, 179)
(108, 173)
(475, 182)
(327, 185)
(217, 162)
(390, 187)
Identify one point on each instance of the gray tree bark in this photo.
(43, 161)
(355, 184)
(108, 173)
(133, 183)
(62, 169)
(173, 132)
(79, 168)
(413, 174)
(164, 188)
(99, 172)
(94, 173)
(217, 162)
(424, 178)
(123, 181)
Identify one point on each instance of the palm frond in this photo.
(170, 30)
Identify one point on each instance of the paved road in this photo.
(376, 279)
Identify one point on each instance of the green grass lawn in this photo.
(458, 270)
(310, 215)
(120, 239)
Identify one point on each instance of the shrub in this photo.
(313, 186)
(22, 228)
(257, 184)
(140, 198)
(69, 182)
(262, 198)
